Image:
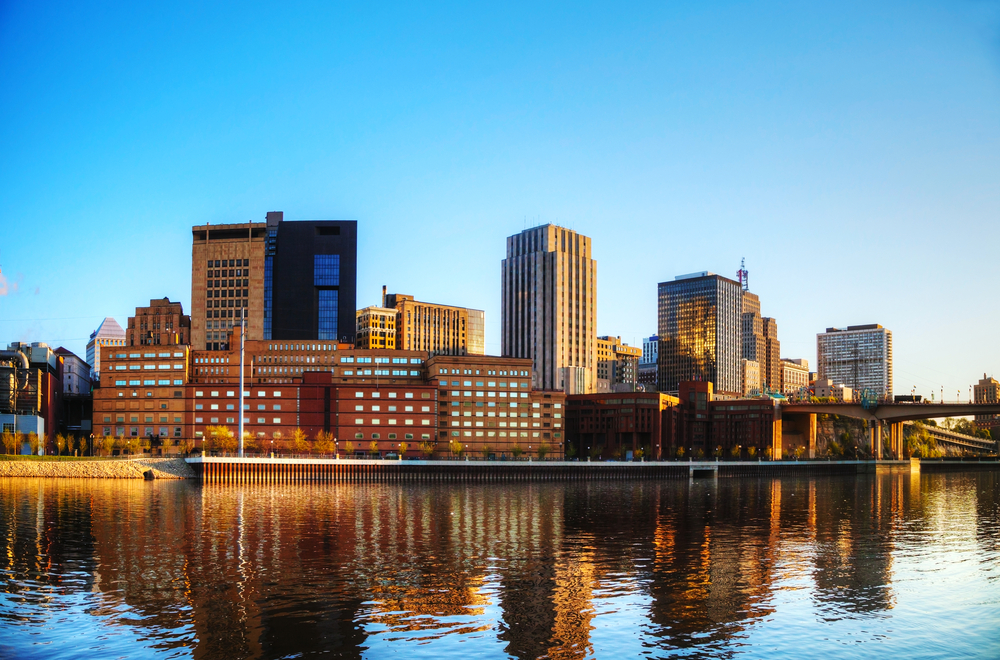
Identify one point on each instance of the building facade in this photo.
(289, 280)
(437, 329)
(77, 401)
(825, 388)
(771, 371)
(794, 375)
(163, 323)
(549, 306)
(617, 365)
(227, 281)
(375, 327)
(751, 378)
(859, 356)
(700, 319)
(109, 333)
(987, 391)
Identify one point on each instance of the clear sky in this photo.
(849, 151)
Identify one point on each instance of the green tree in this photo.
(571, 450)
(517, 450)
(543, 450)
(486, 450)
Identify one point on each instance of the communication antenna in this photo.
(743, 275)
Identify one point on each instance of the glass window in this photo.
(328, 301)
(326, 270)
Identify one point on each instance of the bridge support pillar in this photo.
(875, 432)
(896, 440)
(812, 436)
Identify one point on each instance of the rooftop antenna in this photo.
(743, 275)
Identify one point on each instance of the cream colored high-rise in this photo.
(549, 307)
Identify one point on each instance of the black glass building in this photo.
(700, 328)
(310, 279)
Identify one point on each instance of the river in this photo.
(834, 567)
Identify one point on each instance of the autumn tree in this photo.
(323, 443)
(403, 446)
(7, 438)
(300, 441)
(373, 447)
(60, 444)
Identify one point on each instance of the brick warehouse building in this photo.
(174, 394)
(611, 425)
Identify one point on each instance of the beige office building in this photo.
(437, 329)
(987, 391)
(794, 375)
(227, 282)
(375, 328)
(549, 306)
(617, 365)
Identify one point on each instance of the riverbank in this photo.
(89, 468)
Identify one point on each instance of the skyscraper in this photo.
(109, 333)
(700, 323)
(437, 329)
(290, 280)
(549, 307)
(859, 356)
(770, 368)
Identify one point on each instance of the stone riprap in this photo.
(163, 468)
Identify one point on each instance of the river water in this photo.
(832, 567)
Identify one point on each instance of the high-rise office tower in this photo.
(859, 356)
(549, 307)
(290, 280)
(770, 368)
(700, 322)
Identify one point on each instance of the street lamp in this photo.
(91, 444)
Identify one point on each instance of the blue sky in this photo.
(849, 151)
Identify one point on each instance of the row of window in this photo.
(392, 422)
(391, 395)
(148, 382)
(379, 360)
(135, 418)
(502, 395)
(377, 408)
(479, 383)
(392, 436)
(147, 355)
(147, 431)
(379, 372)
(469, 372)
(147, 367)
(216, 263)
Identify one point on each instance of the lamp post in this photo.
(91, 444)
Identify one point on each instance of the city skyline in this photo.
(704, 153)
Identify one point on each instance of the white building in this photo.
(109, 333)
(859, 356)
(794, 375)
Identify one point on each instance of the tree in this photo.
(596, 451)
(60, 444)
(349, 448)
(517, 450)
(735, 451)
(222, 438)
(403, 446)
(456, 448)
(324, 443)
(699, 453)
(680, 452)
(7, 438)
(427, 448)
(18, 442)
(373, 447)
(276, 441)
(543, 450)
(798, 452)
(300, 441)
(570, 450)
(250, 442)
(486, 450)
(105, 443)
(33, 443)
(751, 451)
(768, 453)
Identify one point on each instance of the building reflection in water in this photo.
(271, 570)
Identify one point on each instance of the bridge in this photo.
(961, 440)
(800, 419)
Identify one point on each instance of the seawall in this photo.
(284, 470)
(163, 468)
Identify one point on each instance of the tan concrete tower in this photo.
(549, 307)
